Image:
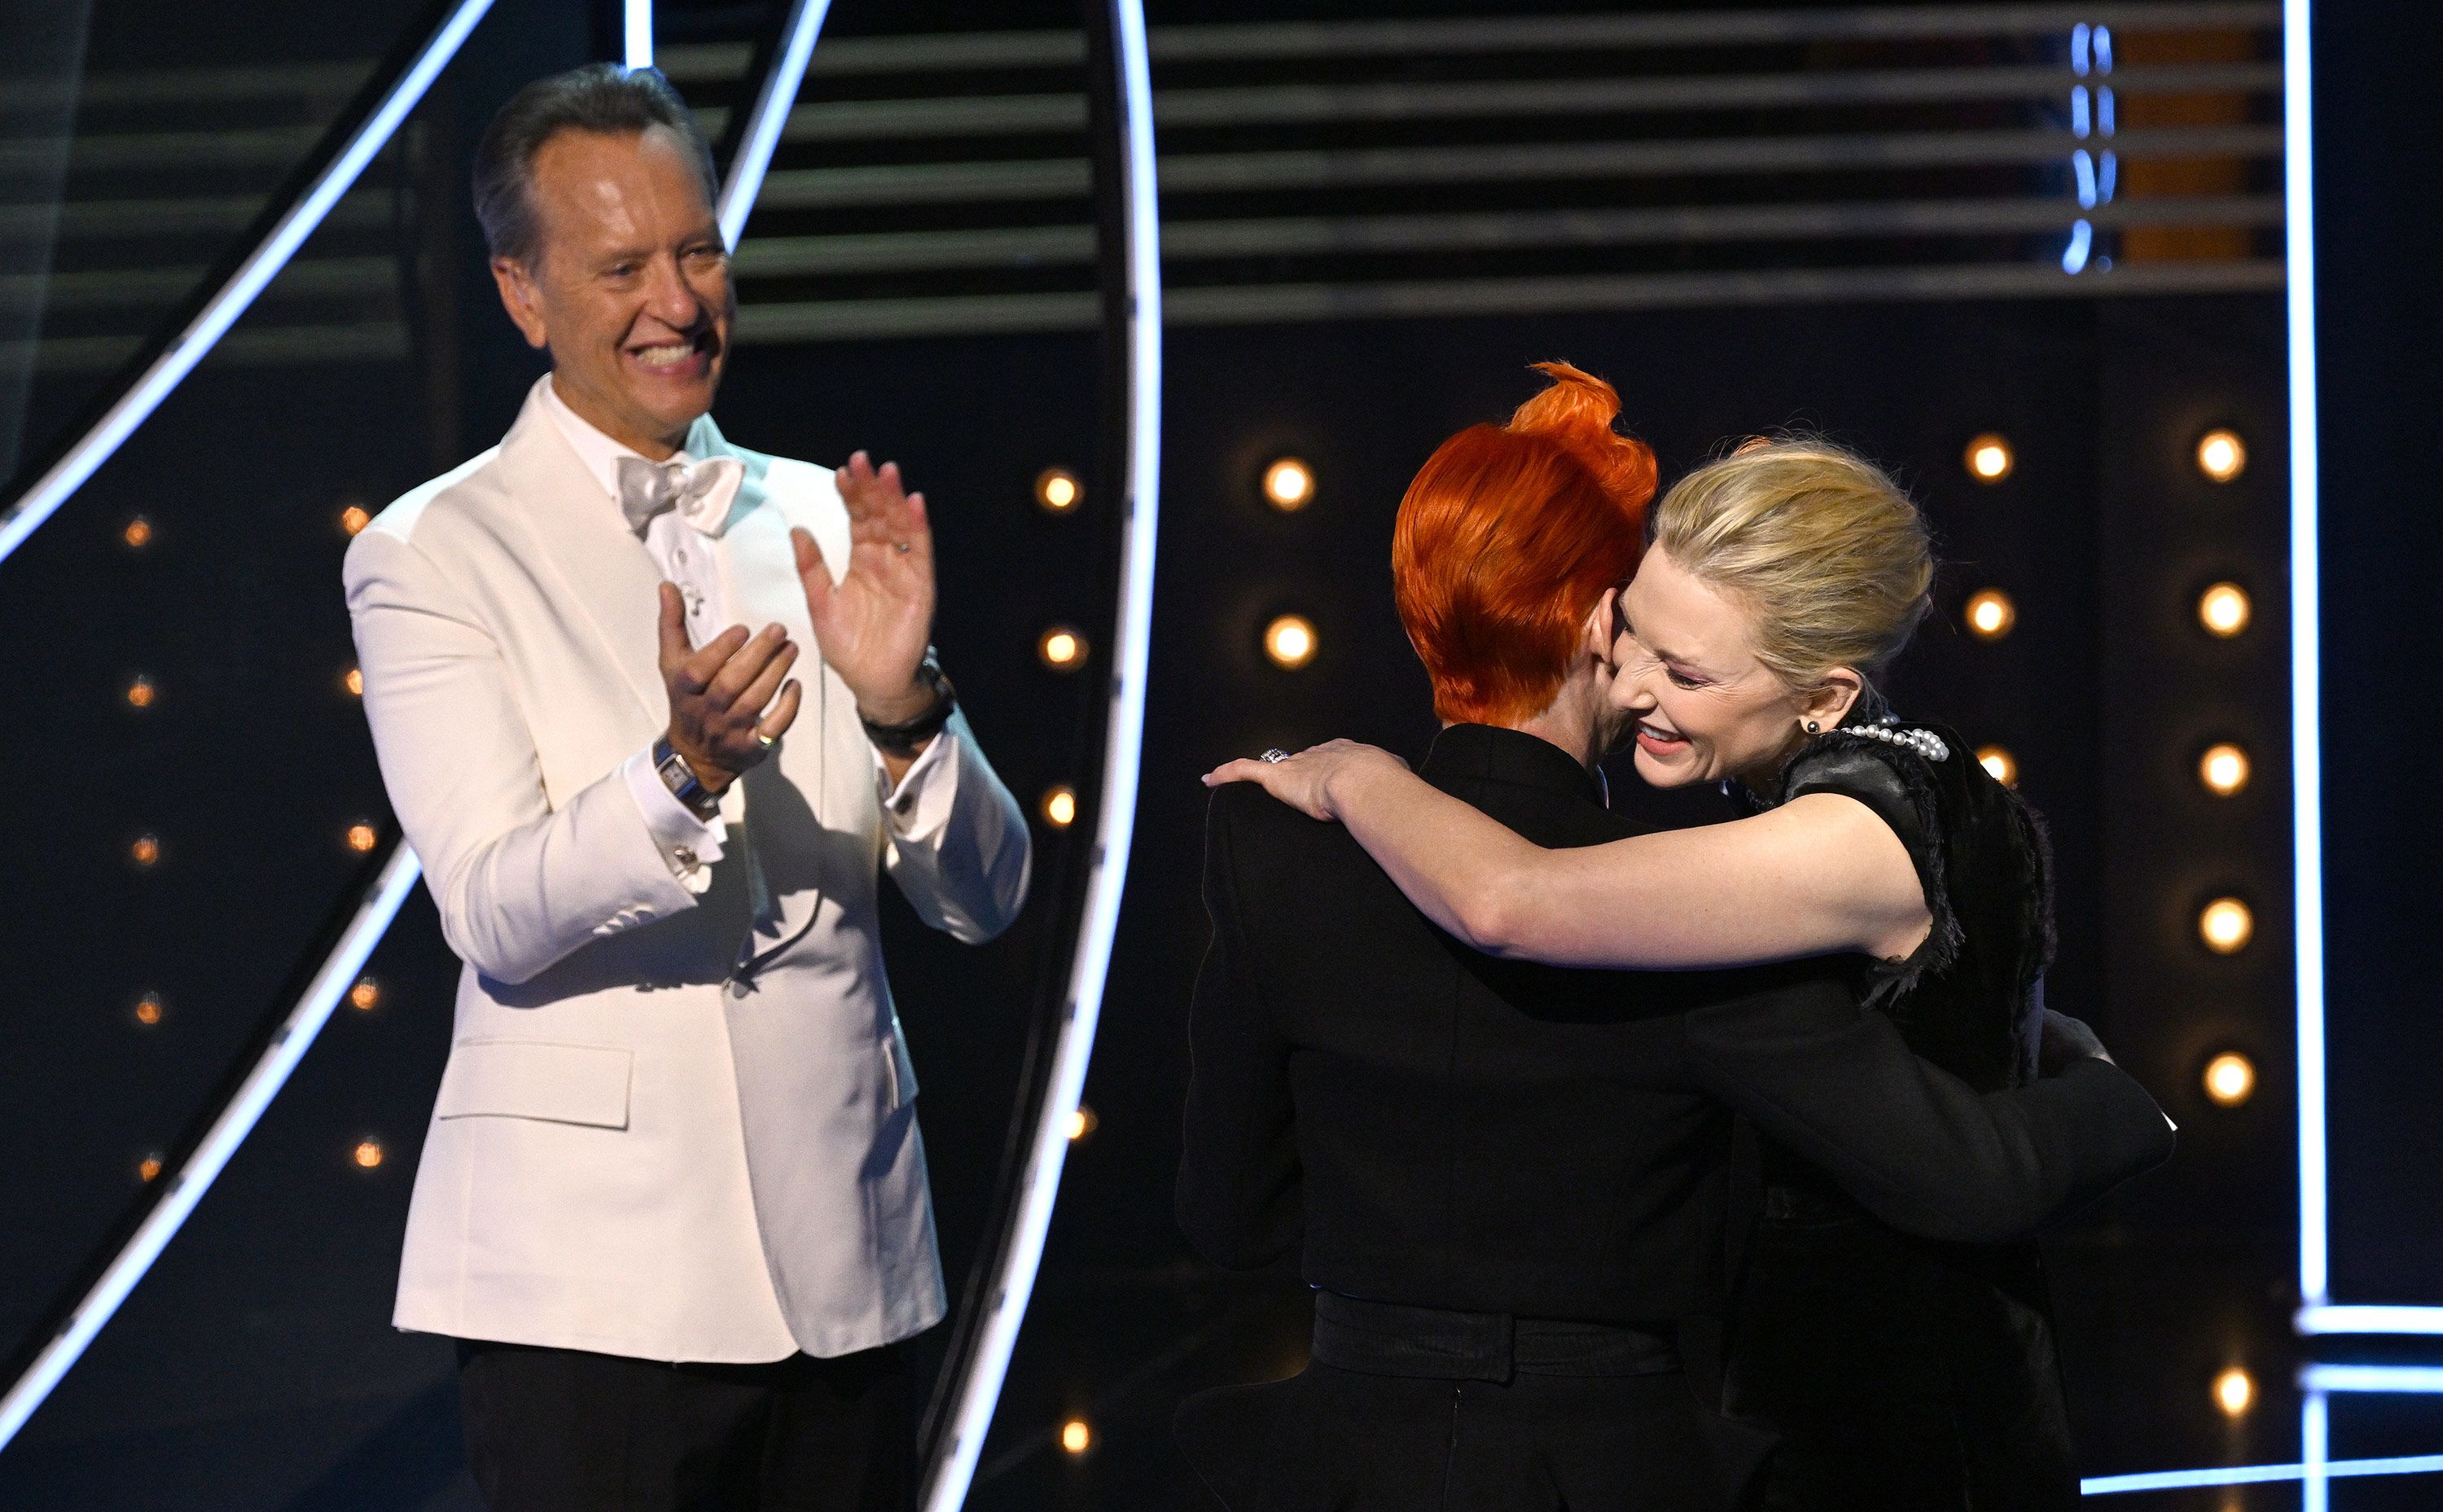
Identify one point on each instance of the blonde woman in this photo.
(1904, 1375)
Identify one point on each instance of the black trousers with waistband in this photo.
(1426, 1410)
(563, 1431)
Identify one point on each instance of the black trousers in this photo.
(563, 1431)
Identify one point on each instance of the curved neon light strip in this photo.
(769, 118)
(237, 1118)
(252, 275)
(2307, 736)
(2258, 1474)
(2328, 1319)
(636, 33)
(2425, 1380)
(946, 1489)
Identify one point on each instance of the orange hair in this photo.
(1509, 536)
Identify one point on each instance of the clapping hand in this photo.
(1303, 781)
(718, 694)
(872, 626)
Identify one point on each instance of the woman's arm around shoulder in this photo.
(1819, 874)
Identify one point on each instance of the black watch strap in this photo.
(903, 740)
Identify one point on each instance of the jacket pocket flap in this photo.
(527, 1079)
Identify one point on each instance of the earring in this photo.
(1813, 728)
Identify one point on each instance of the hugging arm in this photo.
(1239, 1198)
(1916, 1146)
(1817, 875)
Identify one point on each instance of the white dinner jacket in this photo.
(639, 1149)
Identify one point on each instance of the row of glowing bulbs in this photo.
(2227, 924)
(1290, 640)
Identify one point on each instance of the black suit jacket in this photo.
(1438, 1128)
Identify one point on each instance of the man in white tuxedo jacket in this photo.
(673, 1201)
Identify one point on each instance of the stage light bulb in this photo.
(1060, 806)
(2226, 925)
(140, 693)
(1083, 1123)
(1989, 459)
(139, 533)
(2223, 768)
(1075, 1436)
(2221, 455)
(364, 995)
(1289, 485)
(1061, 648)
(353, 683)
(1290, 641)
(361, 837)
(2223, 610)
(353, 519)
(1059, 491)
(2230, 1078)
(1990, 615)
(368, 1153)
(146, 850)
(149, 1168)
(148, 1010)
(2234, 1392)
(1999, 764)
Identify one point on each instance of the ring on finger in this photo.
(1276, 756)
(766, 741)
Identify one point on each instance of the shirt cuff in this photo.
(921, 803)
(690, 845)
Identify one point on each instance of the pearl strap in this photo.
(1924, 742)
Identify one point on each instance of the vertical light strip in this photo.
(188, 1184)
(636, 33)
(2306, 735)
(263, 263)
(946, 1489)
(769, 116)
(2315, 1444)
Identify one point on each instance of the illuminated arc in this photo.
(2258, 1474)
(947, 1485)
(2327, 1318)
(195, 1174)
(66, 476)
(2306, 735)
(2424, 1380)
(636, 33)
(769, 116)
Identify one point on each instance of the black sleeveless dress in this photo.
(1904, 1375)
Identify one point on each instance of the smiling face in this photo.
(1685, 671)
(628, 286)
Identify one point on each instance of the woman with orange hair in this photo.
(1504, 1177)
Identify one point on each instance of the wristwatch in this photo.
(680, 778)
(904, 739)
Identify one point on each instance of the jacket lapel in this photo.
(581, 539)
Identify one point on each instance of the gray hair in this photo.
(602, 97)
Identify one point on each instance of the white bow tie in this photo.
(701, 492)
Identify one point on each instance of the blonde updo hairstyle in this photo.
(1828, 556)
